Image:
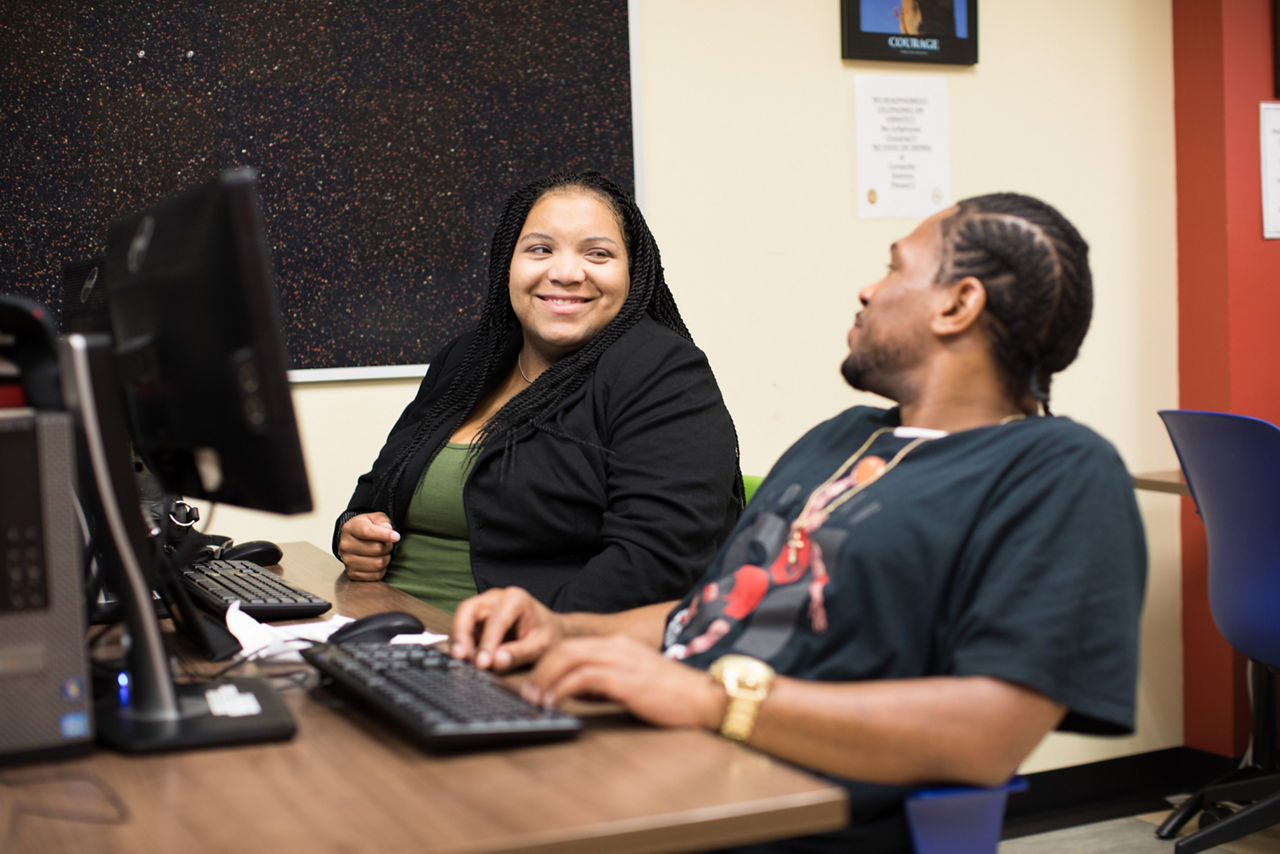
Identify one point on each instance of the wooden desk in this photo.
(1162, 481)
(346, 782)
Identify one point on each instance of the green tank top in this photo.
(433, 558)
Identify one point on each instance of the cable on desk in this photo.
(103, 666)
(245, 657)
(293, 679)
(116, 813)
(96, 637)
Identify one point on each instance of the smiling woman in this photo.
(574, 443)
(569, 276)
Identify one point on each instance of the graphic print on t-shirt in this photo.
(762, 601)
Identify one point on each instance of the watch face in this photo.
(746, 681)
(744, 669)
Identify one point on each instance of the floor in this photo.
(1134, 835)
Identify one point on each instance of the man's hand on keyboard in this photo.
(628, 671)
(504, 628)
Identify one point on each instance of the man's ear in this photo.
(959, 306)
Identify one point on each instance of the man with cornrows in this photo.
(916, 594)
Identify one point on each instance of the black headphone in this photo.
(29, 340)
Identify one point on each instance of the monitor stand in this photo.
(234, 710)
(147, 711)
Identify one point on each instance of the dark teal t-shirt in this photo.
(1014, 551)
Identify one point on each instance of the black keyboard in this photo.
(263, 595)
(437, 701)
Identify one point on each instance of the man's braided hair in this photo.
(1034, 266)
(498, 336)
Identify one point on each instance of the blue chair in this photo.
(959, 819)
(1232, 467)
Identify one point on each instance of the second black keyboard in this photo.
(263, 595)
(437, 701)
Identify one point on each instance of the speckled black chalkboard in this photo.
(386, 135)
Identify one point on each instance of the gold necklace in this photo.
(799, 528)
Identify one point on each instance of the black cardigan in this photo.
(630, 514)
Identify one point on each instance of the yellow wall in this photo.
(746, 172)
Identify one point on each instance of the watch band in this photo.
(746, 683)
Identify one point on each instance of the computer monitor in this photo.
(194, 319)
(191, 378)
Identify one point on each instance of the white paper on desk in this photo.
(281, 643)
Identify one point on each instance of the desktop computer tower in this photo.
(45, 702)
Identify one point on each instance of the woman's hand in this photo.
(365, 544)
(620, 668)
(504, 628)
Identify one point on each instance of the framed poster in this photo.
(938, 31)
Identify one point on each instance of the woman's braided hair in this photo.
(1034, 266)
(498, 334)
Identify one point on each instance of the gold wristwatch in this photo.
(746, 681)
